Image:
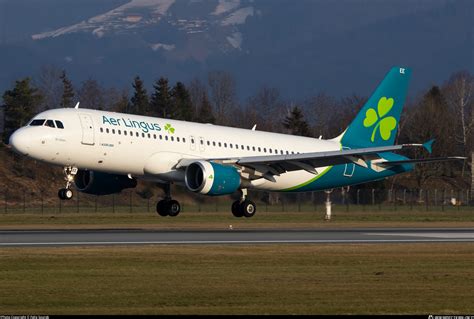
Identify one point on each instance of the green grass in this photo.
(240, 279)
(222, 219)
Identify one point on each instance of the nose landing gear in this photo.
(69, 175)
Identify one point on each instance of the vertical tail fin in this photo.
(377, 122)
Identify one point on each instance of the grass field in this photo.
(222, 219)
(239, 279)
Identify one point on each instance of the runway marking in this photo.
(203, 242)
(430, 235)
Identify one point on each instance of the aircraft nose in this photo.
(20, 141)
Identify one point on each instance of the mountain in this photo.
(302, 47)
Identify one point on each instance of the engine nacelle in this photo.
(98, 183)
(211, 178)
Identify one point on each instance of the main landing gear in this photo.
(69, 175)
(168, 206)
(243, 207)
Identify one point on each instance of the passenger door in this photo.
(87, 129)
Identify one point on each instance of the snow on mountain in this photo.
(122, 17)
(225, 6)
(238, 17)
(218, 21)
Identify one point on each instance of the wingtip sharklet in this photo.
(429, 145)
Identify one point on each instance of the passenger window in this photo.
(219, 143)
(177, 139)
(253, 148)
(161, 137)
(166, 137)
(208, 143)
(154, 136)
(50, 123)
(125, 133)
(149, 135)
(143, 134)
(59, 124)
(248, 148)
(184, 140)
(259, 149)
(241, 146)
(107, 130)
(230, 145)
(119, 132)
(113, 131)
(213, 143)
(101, 130)
(192, 141)
(264, 149)
(202, 142)
(225, 144)
(172, 139)
(137, 134)
(270, 150)
(37, 122)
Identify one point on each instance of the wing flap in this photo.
(421, 160)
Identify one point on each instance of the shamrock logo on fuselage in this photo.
(385, 124)
(169, 128)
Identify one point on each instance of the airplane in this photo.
(106, 152)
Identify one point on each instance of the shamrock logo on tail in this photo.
(385, 124)
(169, 128)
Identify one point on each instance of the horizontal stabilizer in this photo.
(421, 160)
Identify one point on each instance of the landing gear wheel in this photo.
(168, 207)
(248, 208)
(65, 194)
(161, 208)
(173, 208)
(236, 211)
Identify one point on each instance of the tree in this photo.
(139, 99)
(161, 99)
(262, 108)
(122, 104)
(68, 91)
(196, 91)
(181, 101)
(20, 105)
(204, 114)
(295, 123)
(458, 92)
(222, 86)
(91, 95)
(49, 84)
(431, 118)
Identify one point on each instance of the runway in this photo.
(29, 238)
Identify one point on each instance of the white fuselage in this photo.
(150, 148)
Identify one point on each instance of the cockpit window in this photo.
(50, 123)
(37, 122)
(59, 124)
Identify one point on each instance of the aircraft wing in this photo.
(271, 165)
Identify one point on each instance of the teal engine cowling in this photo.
(211, 178)
(99, 183)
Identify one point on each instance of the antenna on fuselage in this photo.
(254, 127)
(77, 105)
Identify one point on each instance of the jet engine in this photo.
(211, 178)
(99, 183)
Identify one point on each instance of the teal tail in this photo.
(377, 122)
